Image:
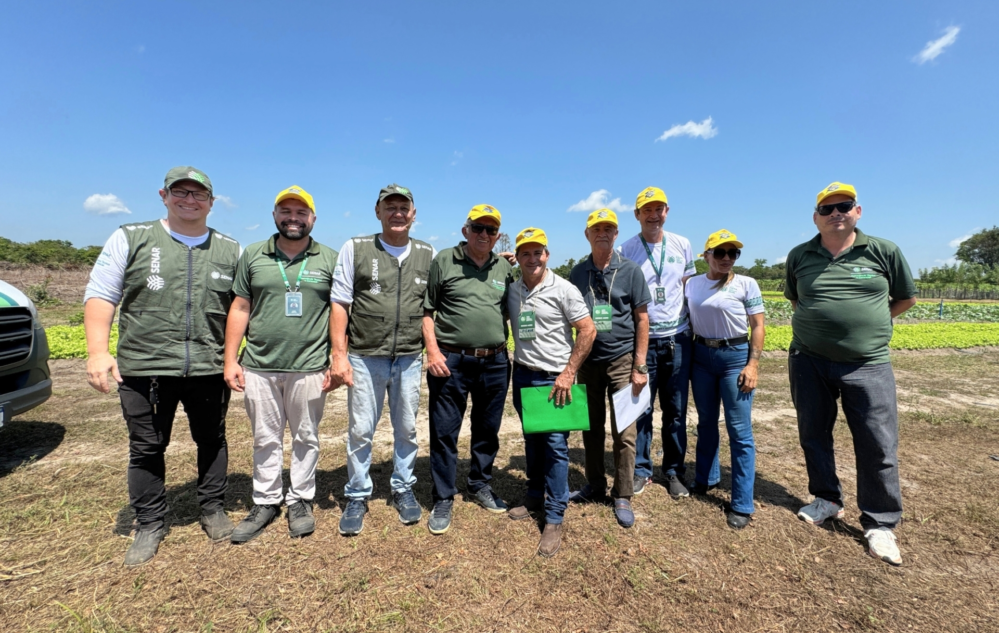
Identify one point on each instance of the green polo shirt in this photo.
(842, 312)
(275, 342)
(470, 301)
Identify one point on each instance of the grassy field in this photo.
(64, 521)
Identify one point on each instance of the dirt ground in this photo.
(64, 521)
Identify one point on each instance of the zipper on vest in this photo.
(398, 306)
(187, 336)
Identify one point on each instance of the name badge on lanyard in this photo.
(525, 326)
(660, 291)
(660, 294)
(602, 317)
(293, 304)
(293, 298)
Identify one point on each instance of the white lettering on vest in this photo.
(154, 264)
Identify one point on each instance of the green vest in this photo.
(174, 303)
(386, 318)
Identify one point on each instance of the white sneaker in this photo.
(819, 510)
(881, 545)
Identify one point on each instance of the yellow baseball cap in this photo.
(531, 235)
(721, 237)
(650, 194)
(833, 189)
(601, 215)
(297, 193)
(484, 211)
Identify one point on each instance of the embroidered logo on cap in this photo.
(832, 187)
(602, 214)
(196, 176)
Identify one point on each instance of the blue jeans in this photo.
(373, 376)
(486, 379)
(714, 379)
(547, 454)
(868, 396)
(669, 376)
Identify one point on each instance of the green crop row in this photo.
(961, 312)
(67, 341)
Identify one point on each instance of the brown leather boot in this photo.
(551, 540)
(524, 510)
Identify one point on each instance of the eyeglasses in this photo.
(200, 196)
(842, 207)
(720, 253)
(478, 228)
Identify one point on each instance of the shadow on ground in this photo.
(23, 442)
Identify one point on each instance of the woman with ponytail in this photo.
(724, 309)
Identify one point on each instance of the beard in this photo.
(293, 231)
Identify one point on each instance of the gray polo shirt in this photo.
(628, 291)
(556, 304)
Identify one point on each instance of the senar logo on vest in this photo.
(155, 282)
(217, 275)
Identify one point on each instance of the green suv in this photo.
(25, 382)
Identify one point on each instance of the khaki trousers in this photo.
(271, 399)
(602, 379)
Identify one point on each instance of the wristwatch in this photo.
(642, 369)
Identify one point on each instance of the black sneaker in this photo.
(255, 522)
(736, 520)
(488, 499)
(405, 503)
(216, 525)
(440, 516)
(144, 547)
(698, 488)
(588, 494)
(640, 483)
(301, 522)
(352, 521)
(674, 485)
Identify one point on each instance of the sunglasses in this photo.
(720, 253)
(478, 228)
(842, 207)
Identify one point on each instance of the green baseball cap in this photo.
(186, 172)
(395, 190)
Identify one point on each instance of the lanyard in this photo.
(662, 258)
(610, 288)
(298, 282)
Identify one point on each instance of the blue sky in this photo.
(531, 107)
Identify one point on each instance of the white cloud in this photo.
(950, 261)
(253, 228)
(599, 200)
(780, 260)
(415, 224)
(433, 238)
(226, 201)
(388, 140)
(457, 157)
(105, 204)
(935, 48)
(454, 233)
(705, 129)
(954, 243)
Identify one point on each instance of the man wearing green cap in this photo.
(173, 279)
(282, 304)
(378, 289)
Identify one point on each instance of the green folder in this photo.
(542, 416)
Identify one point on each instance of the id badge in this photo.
(293, 304)
(602, 316)
(525, 326)
(660, 294)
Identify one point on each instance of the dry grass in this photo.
(62, 482)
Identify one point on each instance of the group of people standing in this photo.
(630, 316)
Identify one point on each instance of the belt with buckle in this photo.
(477, 352)
(721, 342)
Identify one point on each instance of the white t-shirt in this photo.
(669, 317)
(107, 278)
(556, 304)
(343, 275)
(722, 313)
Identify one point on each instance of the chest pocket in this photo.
(219, 283)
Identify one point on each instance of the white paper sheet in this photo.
(628, 408)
